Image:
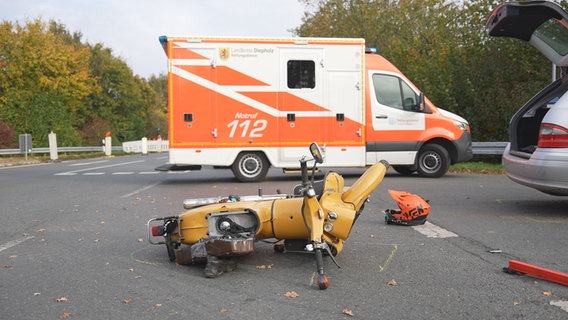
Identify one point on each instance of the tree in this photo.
(124, 103)
(43, 81)
(158, 120)
(6, 135)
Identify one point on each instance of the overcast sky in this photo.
(131, 27)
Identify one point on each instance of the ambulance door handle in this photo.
(381, 116)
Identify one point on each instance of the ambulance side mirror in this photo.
(421, 103)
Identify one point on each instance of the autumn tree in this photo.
(51, 81)
(43, 82)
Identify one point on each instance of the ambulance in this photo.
(249, 104)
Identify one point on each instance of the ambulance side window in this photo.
(301, 74)
(393, 92)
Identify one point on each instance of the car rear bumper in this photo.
(545, 170)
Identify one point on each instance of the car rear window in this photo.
(554, 33)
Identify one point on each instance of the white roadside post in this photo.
(108, 144)
(52, 137)
(144, 146)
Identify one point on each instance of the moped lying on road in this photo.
(317, 217)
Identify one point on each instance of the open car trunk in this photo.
(544, 25)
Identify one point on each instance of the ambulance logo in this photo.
(224, 53)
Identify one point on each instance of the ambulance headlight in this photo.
(462, 125)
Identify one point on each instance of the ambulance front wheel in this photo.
(433, 161)
(250, 166)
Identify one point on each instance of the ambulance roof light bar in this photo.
(370, 50)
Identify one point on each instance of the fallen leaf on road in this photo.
(392, 283)
(65, 315)
(62, 299)
(223, 310)
(41, 230)
(547, 293)
(516, 302)
(291, 294)
(348, 312)
(127, 301)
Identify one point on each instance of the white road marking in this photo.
(87, 163)
(10, 244)
(122, 173)
(93, 173)
(101, 167)
(433, 231)
(561, 304)
(149, 172)
(139, 190)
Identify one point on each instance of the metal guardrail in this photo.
(495, 148)
(6, 152)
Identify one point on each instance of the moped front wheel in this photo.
(322, 281)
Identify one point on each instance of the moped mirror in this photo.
(316, 152)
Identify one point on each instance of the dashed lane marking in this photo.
(87, 163)
(433, 231)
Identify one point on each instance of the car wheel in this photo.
(250, 167)
(404, 170)
(433, 161)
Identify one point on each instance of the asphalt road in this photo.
(73, 245)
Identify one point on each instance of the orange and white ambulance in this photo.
(251, 103)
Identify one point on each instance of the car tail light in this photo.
(552, 136)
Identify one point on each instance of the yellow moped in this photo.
(317, 217)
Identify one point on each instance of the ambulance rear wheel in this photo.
(433, 161)
(250, 166)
